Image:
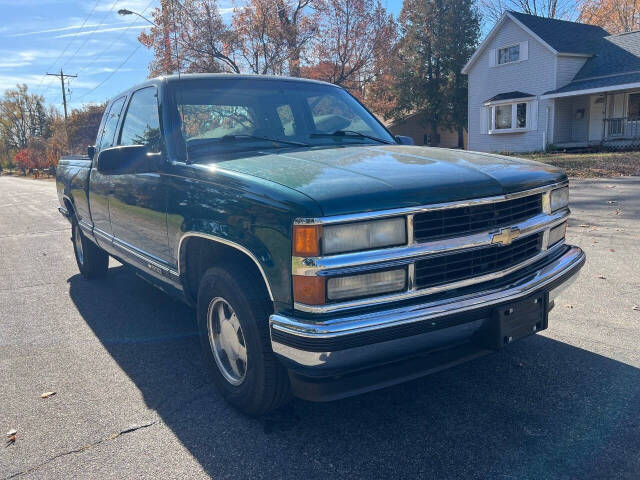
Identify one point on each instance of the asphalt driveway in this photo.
(132, 399)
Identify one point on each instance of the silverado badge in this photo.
(505, 236)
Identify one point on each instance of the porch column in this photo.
(604, 118)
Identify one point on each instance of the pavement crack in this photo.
(113, 436)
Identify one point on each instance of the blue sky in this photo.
(87, 38)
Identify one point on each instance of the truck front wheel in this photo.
(92, 261)
(233, 318)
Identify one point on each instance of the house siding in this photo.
(566, 68)
(535, 76)
(563, 112)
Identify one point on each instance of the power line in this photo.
(97, 57)
(111, 74)
(68, 45)
(88, 37)
(62, 76)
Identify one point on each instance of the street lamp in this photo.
(124, 11)
(165, 33)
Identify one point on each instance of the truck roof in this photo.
(216, 76)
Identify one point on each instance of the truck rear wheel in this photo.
(93, 262)
(233, 318)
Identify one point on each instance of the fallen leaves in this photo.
(48, 394)
(11, 437)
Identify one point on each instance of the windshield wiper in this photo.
(350, 133)
(233, 138)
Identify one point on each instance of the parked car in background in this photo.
(324, 256)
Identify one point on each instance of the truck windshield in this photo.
(243, 114)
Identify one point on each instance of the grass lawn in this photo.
(612, 164)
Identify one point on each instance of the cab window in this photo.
(108, 131)
(141, 125)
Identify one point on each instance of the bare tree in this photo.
(562, 9)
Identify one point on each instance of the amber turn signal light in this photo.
(306, 240)
(309, 290)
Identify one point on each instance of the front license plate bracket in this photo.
(511, 322)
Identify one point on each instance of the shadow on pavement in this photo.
(539, 409)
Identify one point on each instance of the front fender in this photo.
(248, 214)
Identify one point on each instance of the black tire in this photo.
(93, 262)
(265, 383)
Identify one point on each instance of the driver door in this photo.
(138, 201)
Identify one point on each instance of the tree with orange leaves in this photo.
(353, 48)
(25, 159)
(205, 43)
(615, 16)
(273, 35)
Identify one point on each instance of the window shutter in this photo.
(484, 120)
(532, 113)
(524, 50)
(492, 57)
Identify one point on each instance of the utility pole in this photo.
(62, 76)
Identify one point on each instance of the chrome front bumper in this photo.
(353, 341)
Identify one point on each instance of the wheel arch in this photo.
(69, 205)
(213, 248)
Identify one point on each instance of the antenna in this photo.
(175, 33)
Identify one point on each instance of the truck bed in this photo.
(72, 184)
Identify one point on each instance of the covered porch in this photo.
(606, 119)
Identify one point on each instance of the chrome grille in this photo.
(442, 269)
(455, 222)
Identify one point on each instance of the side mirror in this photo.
(91, 151)
(128, 159)
(403, 140)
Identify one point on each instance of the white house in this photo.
(535, 82)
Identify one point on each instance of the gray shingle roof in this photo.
(615, 58)
(563, 36)
(601, 82)
(509, 96)
(617, 54)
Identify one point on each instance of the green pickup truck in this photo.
(325, 257)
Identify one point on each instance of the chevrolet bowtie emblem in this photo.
(505, 236)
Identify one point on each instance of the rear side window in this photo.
(141, 124)
(110, 124)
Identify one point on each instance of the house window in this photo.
(503, 114)
(521, 115)
(634, 106)
(509, 54)
(509, 117)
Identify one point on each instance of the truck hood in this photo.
(361, 178)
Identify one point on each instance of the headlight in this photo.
(355, 286)
(557, 233)
(351, 237)
(559, 198)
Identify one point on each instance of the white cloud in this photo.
(33, 80)
(98, 71)
(135, 5)
(61, 29)
(102, 30)
(12, 59)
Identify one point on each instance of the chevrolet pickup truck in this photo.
(324, 256)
